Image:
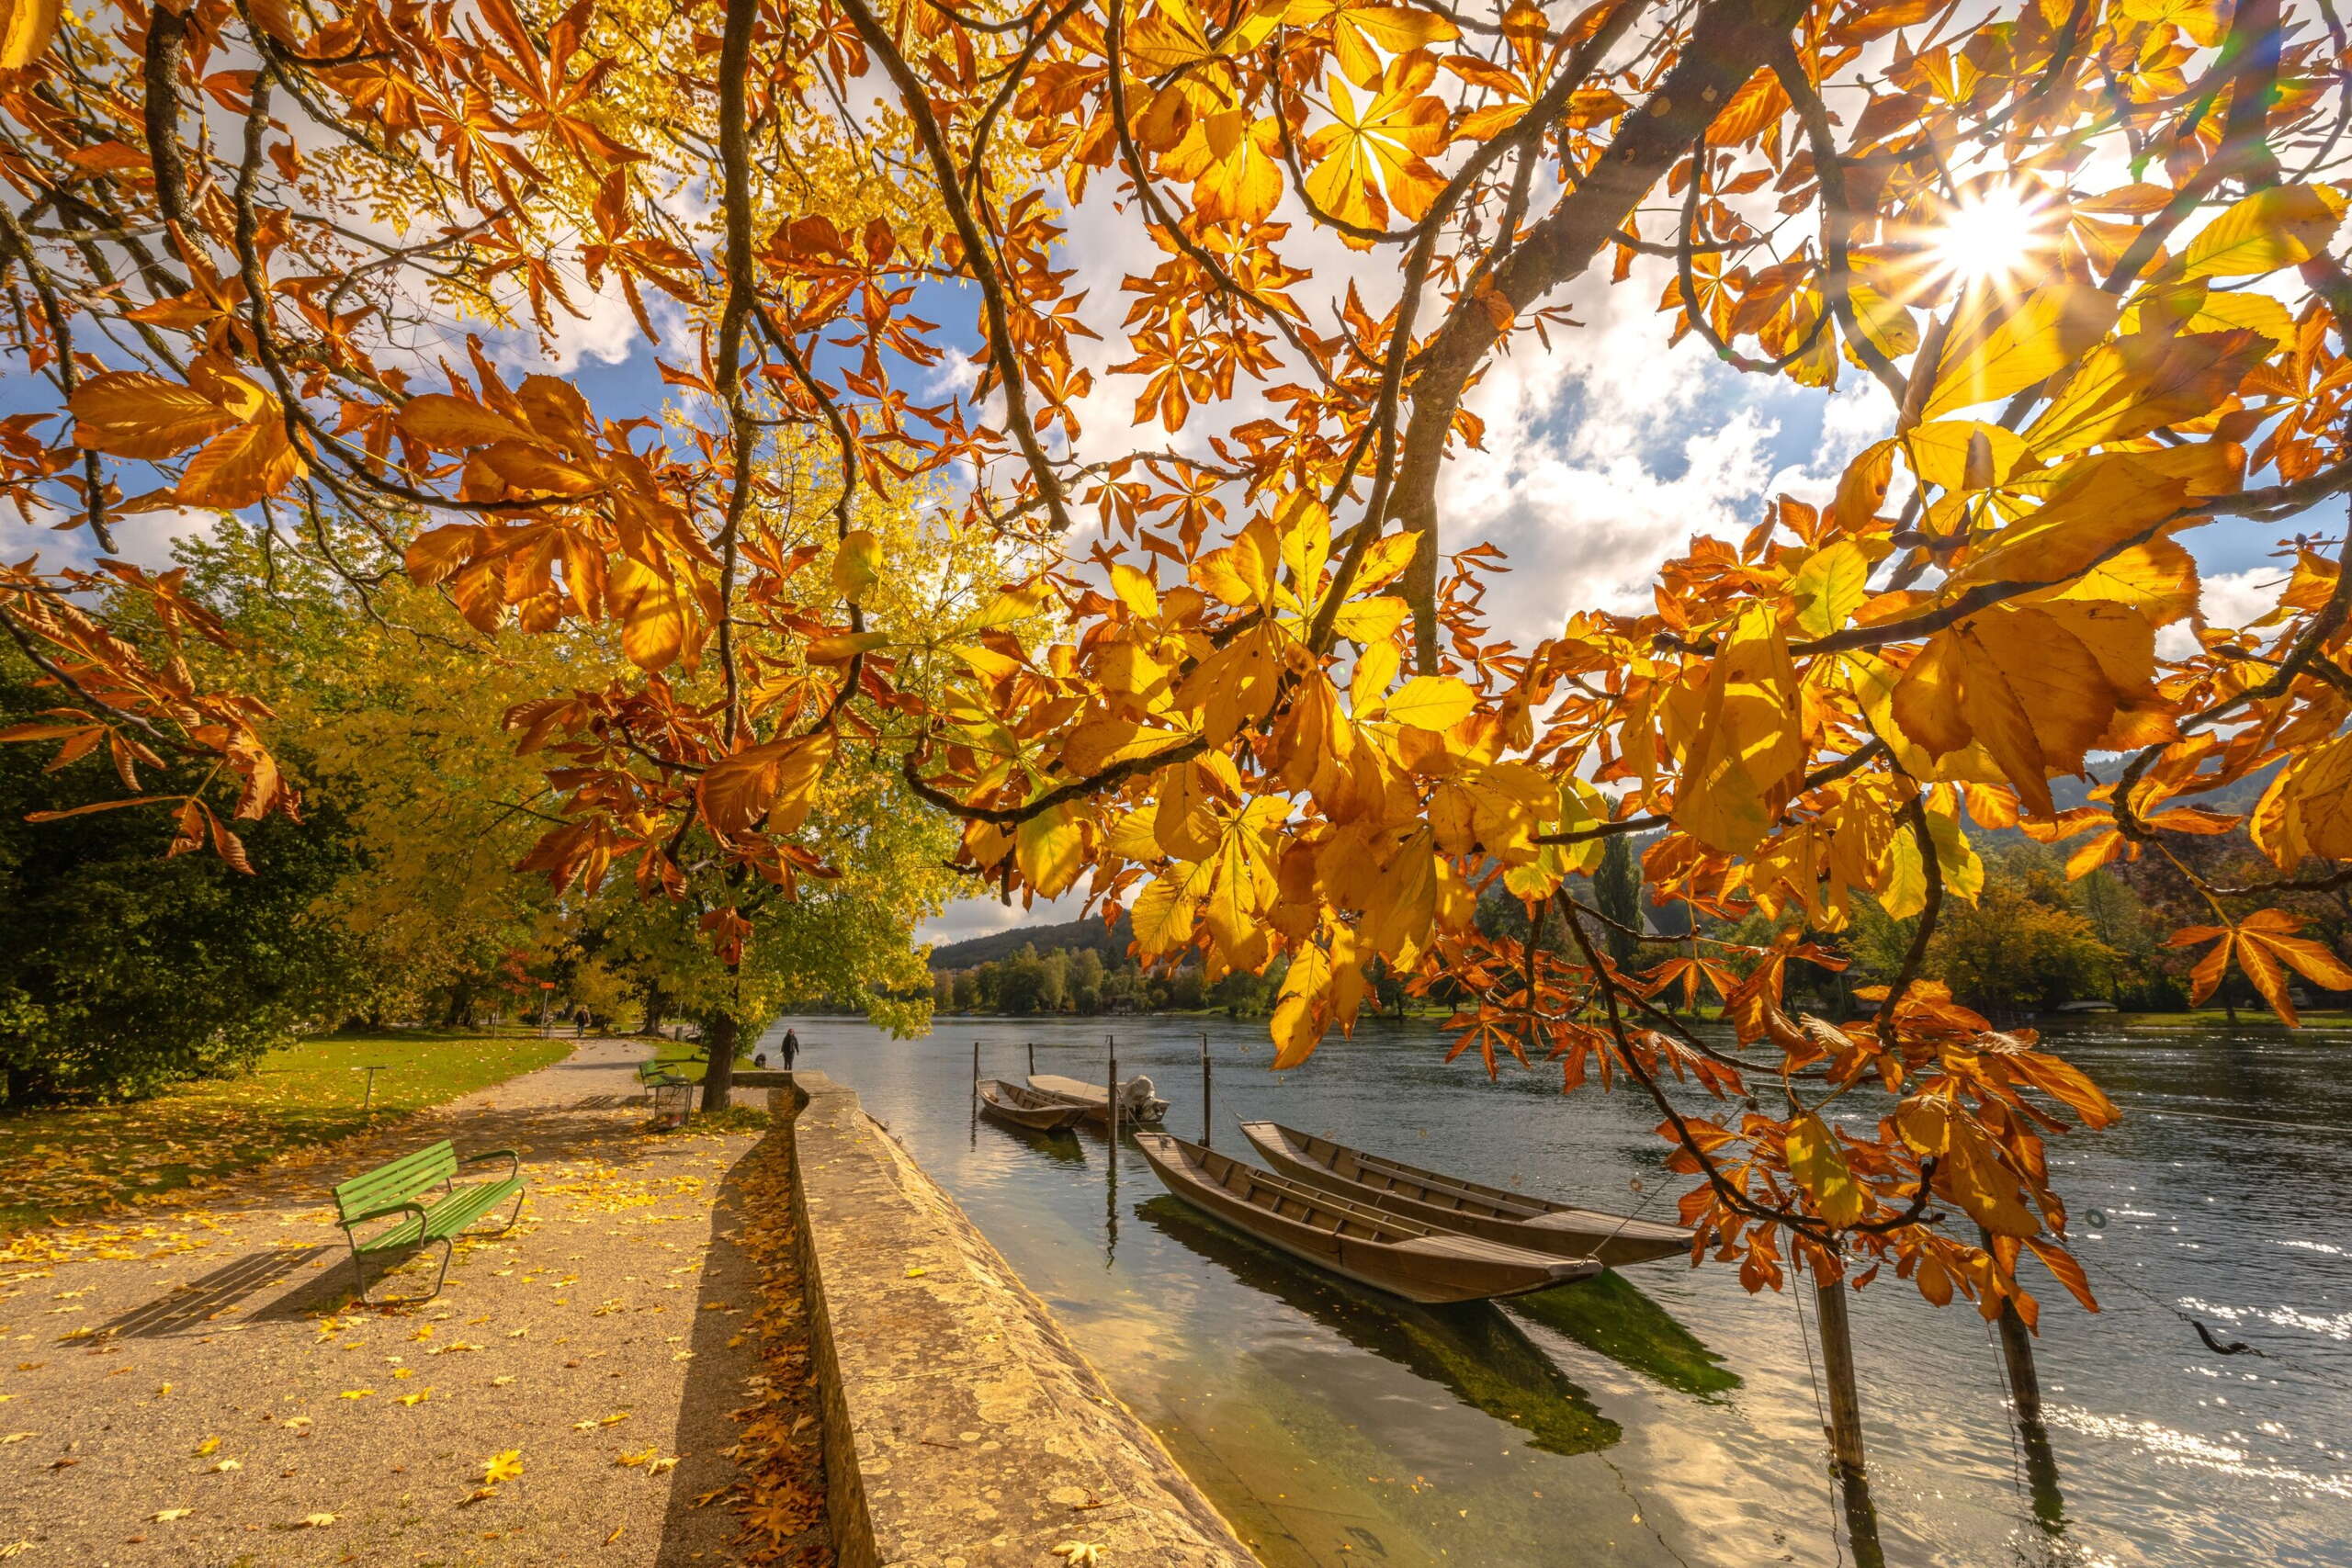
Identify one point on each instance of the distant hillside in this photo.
(1111, 942)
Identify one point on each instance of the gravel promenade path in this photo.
(197, 1388)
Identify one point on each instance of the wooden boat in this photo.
(1386, 1251)
(1027, 1108)
(1097, 1105)
(1514, 1218)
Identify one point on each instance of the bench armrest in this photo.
(384, 1212)
(513, 1161)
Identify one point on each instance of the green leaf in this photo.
(1829, 587)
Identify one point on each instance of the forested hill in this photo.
(1110, 941)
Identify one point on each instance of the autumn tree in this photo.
(1240, 679)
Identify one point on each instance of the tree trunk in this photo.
(718, 1035)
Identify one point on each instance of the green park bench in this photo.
(671, 1093)
(400, 1189)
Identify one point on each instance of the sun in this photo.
(1992, 235)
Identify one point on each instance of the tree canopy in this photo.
(1224, 662)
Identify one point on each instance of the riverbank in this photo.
(963, 1425)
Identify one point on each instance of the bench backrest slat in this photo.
(402, 1179)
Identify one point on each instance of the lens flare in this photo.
(1992, 236)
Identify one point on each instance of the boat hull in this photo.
(1017, 1106)
(1513, 1219)
(1097, 1105)
(1386, 1252)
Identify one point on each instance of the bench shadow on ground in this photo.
(726, 1306)
(538, 1133)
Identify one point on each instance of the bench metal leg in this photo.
(358, 1263)
(513, 1215)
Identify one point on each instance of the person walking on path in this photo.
(581, 1019)
(791, 1048)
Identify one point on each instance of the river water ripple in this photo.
(1335, 1427)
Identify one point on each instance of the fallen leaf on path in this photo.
(165, 1516)
(16, 1436)
(1080, 1554)
(205, 1447)
(501, 1381)
(644, 1456)
(356, 1393)
(415, 1398)
(318, 1521)
(503, 1466)
(227, 1465)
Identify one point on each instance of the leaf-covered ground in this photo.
(622, 1378)
(82, 1159)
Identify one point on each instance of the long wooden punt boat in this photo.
(1369, 1245)
(1448, 1201)
(1097, 1105)
(1027, 1108)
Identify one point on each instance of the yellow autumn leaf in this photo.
(25, 27)
(1430, 702)
(500, 1467)
(1050, 848)
(1998, 346)
(858, 564)
(2280, 227)
(1819, 1166)
(652, 611)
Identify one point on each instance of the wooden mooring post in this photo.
(976, 1069)
(1033, 1058)
(1208, 1128)
(2025, 1406)
(1844, 1433)
(1114, 1095)
(1837, 1371)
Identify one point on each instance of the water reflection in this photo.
(1472, 1350)
(1608, 1314)
(1060, 1147)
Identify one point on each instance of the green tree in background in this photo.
(1617, 890)
(125, 970)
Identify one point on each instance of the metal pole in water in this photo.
(1208, 1130)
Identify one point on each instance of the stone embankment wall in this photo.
(963, 1430)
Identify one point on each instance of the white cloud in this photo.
(143, 538)
(983, 916)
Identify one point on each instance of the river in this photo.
(1675, 1422)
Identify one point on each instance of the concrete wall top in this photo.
(964, 1428)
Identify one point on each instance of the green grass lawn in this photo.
(683, 1057)
(75, 1160)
